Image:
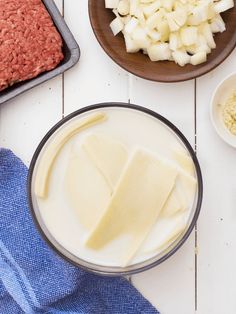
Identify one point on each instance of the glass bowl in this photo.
(105, 270)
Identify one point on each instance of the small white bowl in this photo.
(220, 96)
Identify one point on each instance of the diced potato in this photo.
(205, 30)
(123, 7)
(144, 50)
(125, 19)
(131, 45)
(152, 8)
(223, 5)
(116, 26)
(199, 14)
(201, 45)
(134, 5)
(131, 25)
(198, 58)
(175, 41)
(217, 24)
(153, 34)
(186, 27)
(191, 49)
(168, 4)
(211, 11)
(159, 52)
(140, 37)
(181, 57)
(140, 16)
(171, 22)
(164, 30)
(116, 12)
(189, 35)
(111, 4)
(154, 20)
(180, 16)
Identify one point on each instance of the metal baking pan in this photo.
(71, 53)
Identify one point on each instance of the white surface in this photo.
(216, 227)
(179, 285)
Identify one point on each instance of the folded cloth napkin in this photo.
(35, 280)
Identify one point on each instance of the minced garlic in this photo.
(229, 113)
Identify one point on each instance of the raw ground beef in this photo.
(29, 41)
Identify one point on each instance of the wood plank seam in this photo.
(196, 231)
(63, 74)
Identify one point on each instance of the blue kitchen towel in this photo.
(35, 280)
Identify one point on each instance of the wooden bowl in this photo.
(164, 71)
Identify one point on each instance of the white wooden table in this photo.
(201, 276)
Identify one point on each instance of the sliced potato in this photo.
(51, 151)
